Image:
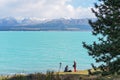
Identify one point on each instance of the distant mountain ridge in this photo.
(29, 24)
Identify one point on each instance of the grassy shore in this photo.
(79, 75)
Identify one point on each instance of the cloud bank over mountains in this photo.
(44, 9)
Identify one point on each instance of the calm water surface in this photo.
(29, 52)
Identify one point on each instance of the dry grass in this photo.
(80, 72)
(79, 75)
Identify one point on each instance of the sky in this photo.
(47, 9)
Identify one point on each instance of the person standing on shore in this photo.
(74, 66)
(60, 67)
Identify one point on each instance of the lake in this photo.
(39, 51)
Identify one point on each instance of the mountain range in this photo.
(30, 24)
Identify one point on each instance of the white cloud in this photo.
(84, 12)
(43, 9)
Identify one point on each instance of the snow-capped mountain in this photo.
(11, 23)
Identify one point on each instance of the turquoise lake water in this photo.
(34, 51)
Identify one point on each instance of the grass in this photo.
(81, 72)
(50, 75)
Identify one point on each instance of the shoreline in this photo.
(79, 75)
(84, 72)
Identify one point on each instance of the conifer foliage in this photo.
(107, 26)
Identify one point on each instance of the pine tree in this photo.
(107, 27)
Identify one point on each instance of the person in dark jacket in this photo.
(66, 69)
